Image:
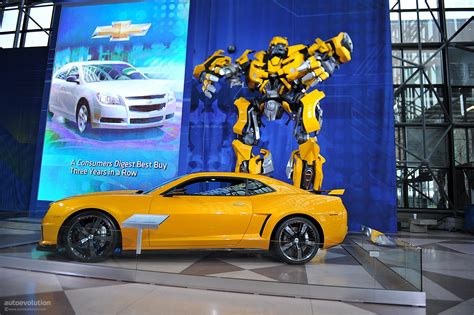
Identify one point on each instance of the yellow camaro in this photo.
(206, 210)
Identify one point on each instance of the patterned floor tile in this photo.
(285, 273)
(168, 300)
(72, 283)
(385, 309)
(243, 274)
(340, 275)
(110, 301)
(435, 306)
(463, 288)
(17, 282)
(337, 308)
(209, 265)
(435, 291)
(466, 307)
(246, 263)
(462, 248)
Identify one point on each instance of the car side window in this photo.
(212, 186)
(74, 72)
(62, 74)
(254, 187)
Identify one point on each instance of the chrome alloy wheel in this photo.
(298, 240)
(82, 118)
(90, 237)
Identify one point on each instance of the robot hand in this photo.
(207, 79)
(209, 71)
(232, 73)
(317, 71)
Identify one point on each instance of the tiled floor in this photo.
(448, 270)
(448, 279)
(66, 295)
(330, 267)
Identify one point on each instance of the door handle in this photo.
(239, 204)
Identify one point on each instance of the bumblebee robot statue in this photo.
(284, 77)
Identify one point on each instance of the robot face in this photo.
(278, 47)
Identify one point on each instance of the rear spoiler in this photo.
(333, 192)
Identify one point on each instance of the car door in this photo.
(70, 94)
(57, 90)
(203, 212)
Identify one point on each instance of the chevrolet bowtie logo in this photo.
(121, 30)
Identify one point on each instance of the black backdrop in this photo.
(21, 90)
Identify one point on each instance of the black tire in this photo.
(296, 241)
(90, 236)
(83, 117)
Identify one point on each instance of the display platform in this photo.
(347, 272)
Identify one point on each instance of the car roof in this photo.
(95, 62)
(263, 178)
(226, 174)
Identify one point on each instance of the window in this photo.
(433, 78)
(62, 74)
(74, 72)
(255, 187)
(32, 20)
(212, 186)
(111, 72)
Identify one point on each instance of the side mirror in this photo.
(72, 79)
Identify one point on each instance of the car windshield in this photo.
(110, 72)
(163, 184)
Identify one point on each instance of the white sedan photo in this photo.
(109, 94)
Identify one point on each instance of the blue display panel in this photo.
(357, 136)
(121, 66)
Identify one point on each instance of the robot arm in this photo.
(217, 66)
(326, 56)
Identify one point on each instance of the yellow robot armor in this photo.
(284, 77)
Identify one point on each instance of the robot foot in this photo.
(247, 162)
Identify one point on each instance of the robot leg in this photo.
(248, 134)
(247, 162)
(305, 167)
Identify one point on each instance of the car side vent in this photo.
(264, 223)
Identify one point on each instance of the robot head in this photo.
(278, 47)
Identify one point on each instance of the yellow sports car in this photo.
(206, 210)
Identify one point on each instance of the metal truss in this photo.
(408, 158)
(24, 7)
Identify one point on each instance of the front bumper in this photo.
(46, 247)
(133, 115)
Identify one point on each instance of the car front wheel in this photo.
(296, 241)
(82, 117)
(90, 236)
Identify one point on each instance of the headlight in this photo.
(170, 96)
(108, 98)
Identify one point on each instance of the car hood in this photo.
(103, 193)
(128, 88)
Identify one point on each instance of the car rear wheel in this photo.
(90, 236)
(296, 241)
(82, 117)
